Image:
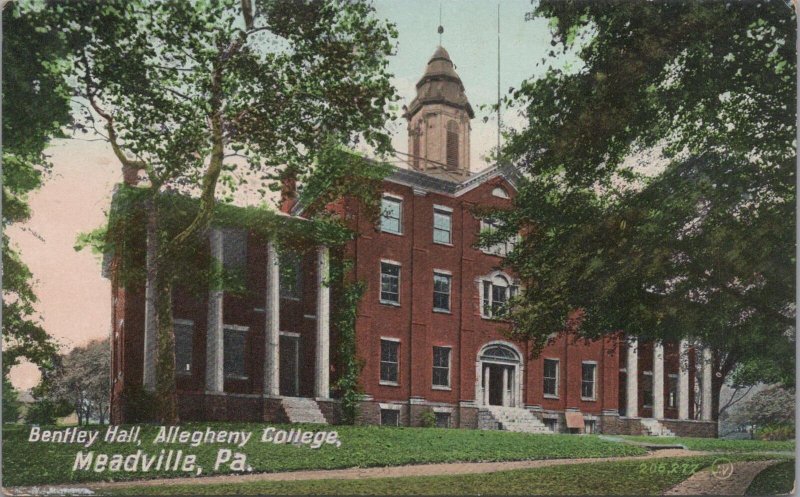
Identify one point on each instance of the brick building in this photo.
(426, 328)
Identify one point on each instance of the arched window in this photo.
(499, 352)
(496, 293)
(500, 192)
(452, 145)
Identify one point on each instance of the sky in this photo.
(75, 301)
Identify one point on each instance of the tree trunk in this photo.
(165, 371)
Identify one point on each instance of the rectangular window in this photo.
(389, 361)
(290, 276)
(496, 294)
(501, 248)
(589, 426)
(390, 283)
(672, 391)
(390, 417)
(551, 424)
(441, 367)
(234, 248)
(392, 215)
(647, 389)
(551, 377)
(442, 419)
(234, 339)
(442, 226)
(588, 377)
(184, 335)
(441, 292)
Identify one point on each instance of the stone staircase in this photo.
(302, 410)
(516, 419)
(654, 428)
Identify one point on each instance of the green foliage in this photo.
(362, 446)
(45, 411)
(35, 107)
(428, 418)
(775, 480)
(606, 478)
(345, 304)
(659, 195)
(11, 404)
(776, 432)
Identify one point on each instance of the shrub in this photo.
(428, 418)
(776, 432)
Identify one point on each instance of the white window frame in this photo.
(652, 389)
(389, 407)
(449, 366)
(557, 378)
(380, 282)
(500, 249)
(446, 211)
(593, 397)
(381, 381)
(184, 322)
(670, 378)
(399, 201)
(511, 291)
(240, 329)
(449, 276)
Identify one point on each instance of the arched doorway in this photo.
(499, 380)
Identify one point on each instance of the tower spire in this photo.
(440, 29)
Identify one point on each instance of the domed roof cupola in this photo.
(440, 84)
(439, 121)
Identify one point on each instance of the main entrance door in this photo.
(289, 359)
(500, 369)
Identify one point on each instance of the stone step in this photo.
(302, 410)
(515, 419)
(656, 429)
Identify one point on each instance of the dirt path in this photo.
(721, 479)
(352, 473)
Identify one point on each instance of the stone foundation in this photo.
(691, 428)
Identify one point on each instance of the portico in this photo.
(632, 376)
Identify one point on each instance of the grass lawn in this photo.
(26, 463)
(608, 478)
(777, 479)
(716, 444)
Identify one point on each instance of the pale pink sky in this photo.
(75, 301)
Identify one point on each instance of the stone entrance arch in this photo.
(499, 373)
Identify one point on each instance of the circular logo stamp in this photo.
(722, 468)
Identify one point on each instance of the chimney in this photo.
(288, 193)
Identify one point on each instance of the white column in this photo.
(322, 373)
(707, 375)
(658, 380)
(632, 380)
(214, 349)
(150, 322)
(505, 387)
(272, 327)
(683, 381)
(486, 385)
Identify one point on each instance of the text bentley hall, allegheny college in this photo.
(424, 328)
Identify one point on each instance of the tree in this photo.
(184, 90)
(35, 108)
(695, 241)
(11, 402)
(773, 405)
(83, 381)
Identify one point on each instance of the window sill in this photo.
(442, 311)
(286, 297)
(440, 387)
(390, 233)
(550, 396)
(236, 377)
(443, 244)
(389, 383)
(589, 399)
(389, 302)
